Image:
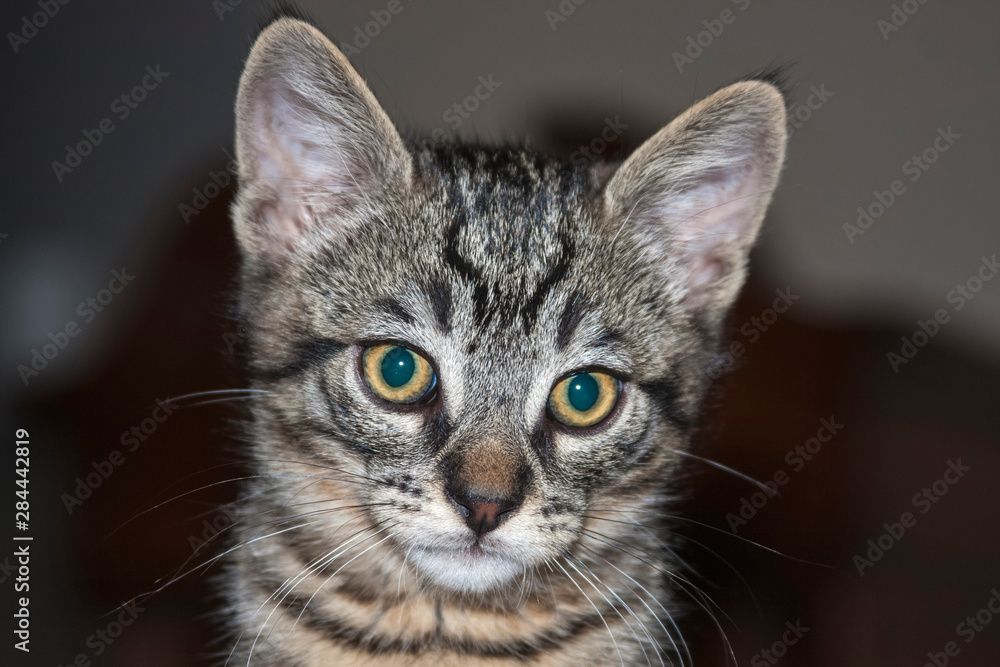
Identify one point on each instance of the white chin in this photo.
(467, 570)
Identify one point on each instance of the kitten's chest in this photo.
(368, 619)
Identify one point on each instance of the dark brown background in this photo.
(167, 334)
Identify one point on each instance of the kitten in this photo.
(478, 368)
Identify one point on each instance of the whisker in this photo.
(649, 560)
(210, 561)
(209, 486)
(309, 567)
(320, 568)
(658, 603)
(677, 557)
(177, 497)
(615, 607)
(389, 536)
(239, 638)
(356, 509)
(720, 466)
(603, 620)
(733, 535)
(679, 581)
(213, 401)
(322, 561)
(666, 546)
(246, 477)
(215, 392)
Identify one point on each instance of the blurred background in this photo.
(117, 271)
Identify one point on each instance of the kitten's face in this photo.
(491, 346)
(503, 301)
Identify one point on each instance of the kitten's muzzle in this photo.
(482, 515)
(486, 484)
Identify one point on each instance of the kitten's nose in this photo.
(481, 514)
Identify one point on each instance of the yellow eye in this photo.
(398, 374)
(584, 399)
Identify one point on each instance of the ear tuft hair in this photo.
(273, 12)
(779, 76)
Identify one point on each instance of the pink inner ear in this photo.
(283, 221)
(713, 221)
(704, 271)
(299, 151)
(298, 162)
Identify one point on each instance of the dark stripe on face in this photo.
(436, 430)
(452, 256)
(440, 296)
(302, 434)
(395, 309)
(557, 507)
(342, 417)
(541, 442)
(642, 480)
(361, 638)
(308, 354)
(665, 397)
(530, 310)
(573, 312)
(607, 337)
(505, 310)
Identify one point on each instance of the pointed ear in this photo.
(696, 192)
(313, 145)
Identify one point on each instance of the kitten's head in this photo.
(482, 346)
